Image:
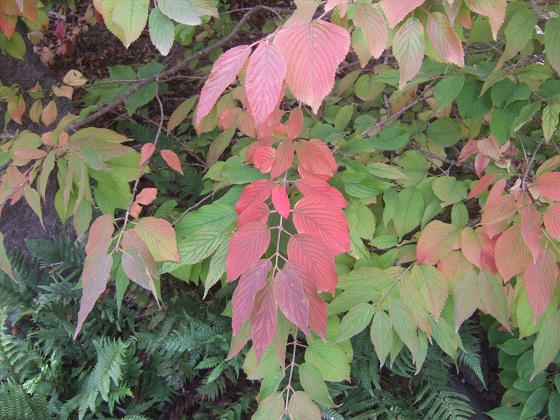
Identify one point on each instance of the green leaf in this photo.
(404, 324)
(355, 321)
(466, 296)
(525, 115)
(459, 215)
(162, 31)
(515, 347)
(187, 12)
(271, 407)
(505, 412)
(217, 266)
(302, 407)
(547, 344)
(410, 208)
(550, 120)
(367, 89)
(15, 46)
(534, 404)
(518, 32)
(447, 90)
(343, 117)
(313, 383)
(408, 47)
(382, 170)
(381, 334)
(131, 16)
(270, 384)
(200, 245)
(501, 121)
(214, 215)
(506, 91)
(471, 105)
(362, 185)
(445, 132)
(552, 42)
(449, 190)
(393, 138)
(5, 264)
(554, 404)
(329, 360)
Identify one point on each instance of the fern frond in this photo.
(15, 403)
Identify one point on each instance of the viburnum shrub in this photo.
(361, 200)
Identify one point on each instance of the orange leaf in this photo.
(396, 11)
(146, 152)
(229, 118)
(531, 229)
(552, 221)
(478, 248)
(257, 191)
(295, 123)
(247, 245)
(497, 213)
(16, 107)
(540, 281)
(263, 158)
(49, 113)
(445, 41)
(138, 262)
(223, 73)
(283, 158)
(315, 160)
(146, 196)
(250, 283)
(494, 9)
(159, 236)
(368, 18)
(312, 52)
(280, 201)
(548, 185)
(8, 24)
(512, 255)
(100, 236)
(481, 185)
(453, 265)
(35, 111)
(172, 160)
(436, 241)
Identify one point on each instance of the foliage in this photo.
(418, 187)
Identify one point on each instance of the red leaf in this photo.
(283, 158)
(257, 211)
(100, 236)
(263, 158)
(247, 245)
(445, 41)
(312, 52)
(318, 217)
(223, 72)
(60, 31)
(97, 269)
(269, 125)
(172, 160)
(368, 18)
(531, 229)
(263, 83)
(396, 11)
(481, 185)
(436, 241)
(496, 214)
(478, 248)
(307, 250)
(280, 201)
(264, 320)
(262, 142)
(317, 306)
(552, 221)
(548, 185)
(249, 285)
(257, 191)
(295, 123)
(146, 152)
(315, 160)
(540, 281)
(291, 298)
(146, 196)
(512, 255)
(320, 188)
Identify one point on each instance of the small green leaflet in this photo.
(131, 16)
(550, 120)
(547, 344)
(5, 264)
(447, 90)
(355, 321)
(449, 190)
(162, 31)
(313, 383)
(409, 211)
(552, 42)
(214, 215)
(217, 266)
(381, 334)
(329, 360)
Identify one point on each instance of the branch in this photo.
(109, 107)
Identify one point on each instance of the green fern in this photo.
(470, 356)
(16, 403)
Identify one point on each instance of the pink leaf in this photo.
(371, 21)
(264, 320)
(512, 255)
(223, 73)
(481, 162)
(100, 236)
(531, 229)
(552, 221)
(445, 41)
(396, 11)
(312, 52)
(263, 158)
(257, 211)
(313, 254)
(60, 31)
(172, 160)
(257, 191)
(247, 245)
(436, 241)
(295, 123)
(146, 196)
(496, 191)
(481, 185)
(291, 298)
(540, 281)
(478, 248)
(315, 160)
(548, 185)
(280, 201)
(497, 213)
(146, 152)
(283, 158)
(262, 142)
(249, 285)
(319, 188)
(317, 216)
(263, 83)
